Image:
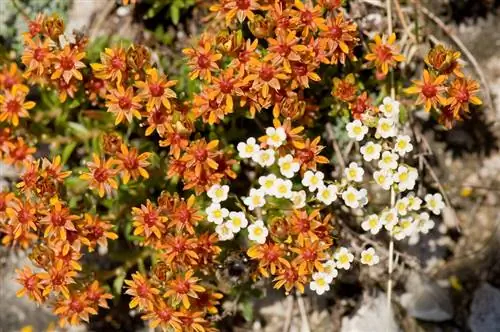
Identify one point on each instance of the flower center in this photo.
(125, 103)
(101, 174)
(266, 73)
(67, 63)
(156, 90)
(203, 61)
(243, 4)
(429, 90)
(13, 106)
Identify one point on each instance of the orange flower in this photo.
(284, 48)
(157, 119)
(6, 200)
(202, 59)
(270, 256)
(124, 104)
(307, 17)
(193, 321)
(290, 277)
(31, 285)
(178, 251)
(97, 295)
(309, 155)
(58, 220)
(184, 287)
(101, 175)
(310, 254)
(209, 107)
(113, 65)
(36, 57)
(241, 9)
(244, 55)
(200, 155)
(264, 76)
(430, 91)
(384, 55)
(29, 178)
(164, 316)
(184, 215)
(67, 64)
(13, 105)
(66, 88)
(148, 221)
(444, 61)
(156, 90)
(57, 279)
(226, 86)
(302, 73)
(74, 309)
(22, 217)
(177, 138)
(53, 169)
(19, 152)
(360, 105)
(97, 231)
(141, 291)
(132, 164)
(206, 249)
(340, 36)
(462, 92)
(345, 89)
(10, 76)
(208, 301)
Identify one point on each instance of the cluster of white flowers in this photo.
(342, 259)
(228, 222)
(387, 153)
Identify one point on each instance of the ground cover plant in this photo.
(178, 194)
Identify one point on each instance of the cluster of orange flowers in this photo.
(174, 296)
(444, 86)
(270, 70)
(36, 216)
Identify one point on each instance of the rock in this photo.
(374, 315)
(426, 300)
(485, 309)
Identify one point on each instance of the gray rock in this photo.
(485, 309)
(374, 315)
(426, 300)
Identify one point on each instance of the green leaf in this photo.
(247, 310)
(118, 283)
(67, 151)
(175, 13)
(78, 130)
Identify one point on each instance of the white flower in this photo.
(258, 232)
(320, 283)
(351, 197)
(389, 160)
(354, 172)
(224, 231)
(434, 203)
(264, 158)
(288, 167)
(390, 108)
(403, 145)
(398, 233)
(371, 151)
(356, 130)
(389, 218)
(372, 224)
(414, 202)
(248, 149)
(424, 223)
(344, 258)
(327, 194)
(255, 199)
(313, 180)
(402, 206)
(369, 257)
(329, 268)
(407, 226)
(405, 177)
(282, 188)
(218, 193)
(363, 196)
(216, 214)
(383, 178)
(275, 136)
(267, 183)
(385, 128)
(237, 220)
(298, 199)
